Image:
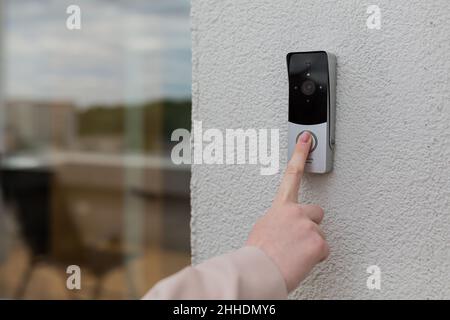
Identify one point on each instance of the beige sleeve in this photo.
(247, 273)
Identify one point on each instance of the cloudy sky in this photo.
(127, 51)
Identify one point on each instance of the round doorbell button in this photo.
(313, 142)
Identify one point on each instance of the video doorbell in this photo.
(312, 105)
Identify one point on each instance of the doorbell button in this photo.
(313, 142)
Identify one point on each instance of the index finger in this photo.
(290, 183)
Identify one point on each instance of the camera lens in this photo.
(308, 87)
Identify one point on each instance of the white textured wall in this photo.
(387, 202)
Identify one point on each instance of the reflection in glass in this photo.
(85, 172)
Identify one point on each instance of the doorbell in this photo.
(312, 105)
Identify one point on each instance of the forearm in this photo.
(247, 273)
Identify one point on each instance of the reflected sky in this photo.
(127, 51)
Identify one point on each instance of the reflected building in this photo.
(34, 125)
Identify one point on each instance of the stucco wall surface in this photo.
(387, 202)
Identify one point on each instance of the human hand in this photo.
(289, 232)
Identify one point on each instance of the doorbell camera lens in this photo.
(308, 87)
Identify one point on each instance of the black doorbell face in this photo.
(308, 81)
(312, 82)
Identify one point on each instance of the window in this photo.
(85, 174)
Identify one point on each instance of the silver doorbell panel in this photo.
(312, 105)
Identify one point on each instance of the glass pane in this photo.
(86, 119)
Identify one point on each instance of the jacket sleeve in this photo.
(247, 273)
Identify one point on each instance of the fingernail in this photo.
(305, 137)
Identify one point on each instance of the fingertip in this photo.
(304, 142)
(305, 137)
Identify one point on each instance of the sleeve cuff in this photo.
(247, 273)
(260, 276)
